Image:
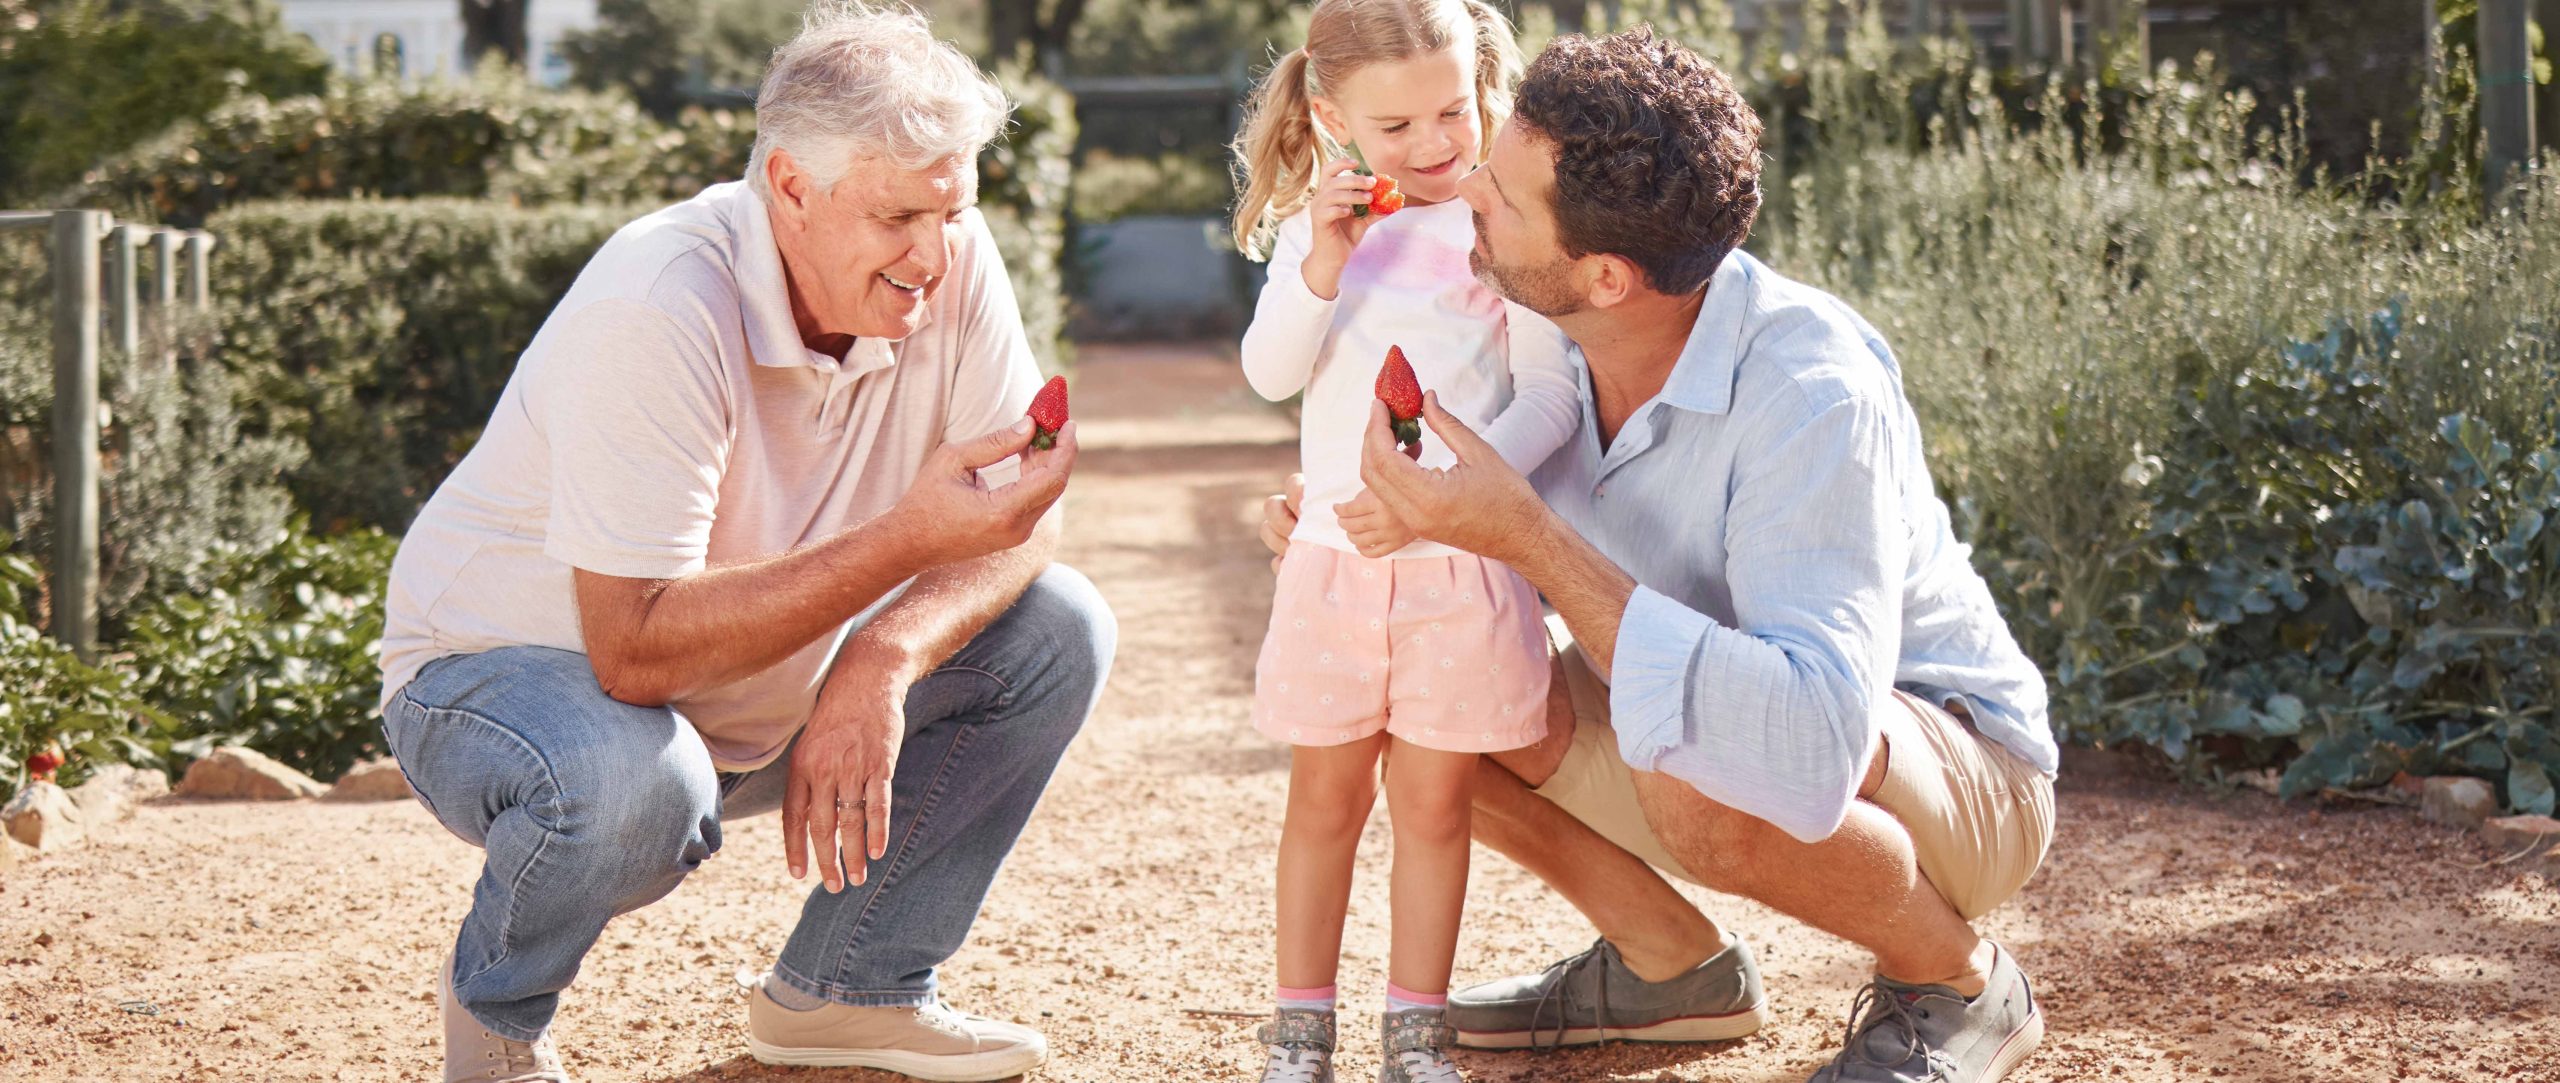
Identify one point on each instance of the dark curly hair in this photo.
(1657, 154)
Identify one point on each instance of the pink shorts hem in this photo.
(1442, 652)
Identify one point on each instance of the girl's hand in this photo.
(1337, 229)
(1373, 529)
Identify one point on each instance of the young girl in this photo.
(1426, 655)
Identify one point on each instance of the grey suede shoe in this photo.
(1593, 997)
(1415, 1044)
(1301, 1044)
(1928, 1034)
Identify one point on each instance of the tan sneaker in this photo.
(932, 1042)
(474, 1055)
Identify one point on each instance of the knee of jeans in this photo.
(658, 825)
(1074, 625)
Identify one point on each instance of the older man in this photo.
(1786, 681)
(755, 524)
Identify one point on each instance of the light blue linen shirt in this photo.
(1794, 561)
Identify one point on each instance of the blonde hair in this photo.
(1276, 154)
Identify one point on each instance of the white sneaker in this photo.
(932, 1042)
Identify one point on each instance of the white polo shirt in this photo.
(668, 418)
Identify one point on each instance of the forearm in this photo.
(947, 607)
(727, 623)
(1588, 589)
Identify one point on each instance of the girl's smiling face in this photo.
(1414, 120)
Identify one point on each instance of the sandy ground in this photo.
(2175, 935)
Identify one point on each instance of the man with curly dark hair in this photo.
(1782, 677)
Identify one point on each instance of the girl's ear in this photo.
(1329, 120)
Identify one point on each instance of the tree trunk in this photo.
(494, 26)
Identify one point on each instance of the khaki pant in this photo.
(1980, 817)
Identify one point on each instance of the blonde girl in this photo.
(1380, 646)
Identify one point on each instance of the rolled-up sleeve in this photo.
(1773, 716)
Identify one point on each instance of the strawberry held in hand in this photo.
(1383, 198)
(1048, 413)
(1403, 396)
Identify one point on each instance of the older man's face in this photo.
(865, 255)
(1516, 253)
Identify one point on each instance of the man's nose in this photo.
(933, 253)
(1476, 188)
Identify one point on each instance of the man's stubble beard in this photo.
(1547, 291)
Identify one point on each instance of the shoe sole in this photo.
(1687, 1028)
(968, 1068)
(2021, 1044)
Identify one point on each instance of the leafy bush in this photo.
(668, 54)
(183, 468)
(1024, 188)
(1109, 186)
(494, 137)
(84, 79)
(278, 650)
(2227, 444)
(48, 697)
(379, 334)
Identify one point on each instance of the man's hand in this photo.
(1280, 517)
(837, 794)
(1480, 505)
(952, 516)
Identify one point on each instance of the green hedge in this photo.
(379, 334)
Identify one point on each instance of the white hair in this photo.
(864, 80)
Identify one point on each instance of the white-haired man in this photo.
(755, 524)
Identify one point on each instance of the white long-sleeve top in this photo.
(1499, 367)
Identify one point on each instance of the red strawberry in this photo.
(1383, 197)
(1403, 396)
(1048, 413)
(42, 765)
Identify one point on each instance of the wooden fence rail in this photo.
(80, 308)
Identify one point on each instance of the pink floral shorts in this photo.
(1442, 652)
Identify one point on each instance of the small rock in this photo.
(44, 817)
(2531, 841)
(241, 774)
(373, 780)
(9, 852)
(113, 791)
(2459, 802)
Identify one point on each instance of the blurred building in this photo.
(417, 39)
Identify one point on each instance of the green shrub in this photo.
(494, 137)
(2225, 442)
(1024, 188)
(48, 697)
(278, 651)
(379, 334)
(83, 79)
(1109, 186)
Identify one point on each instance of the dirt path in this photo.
(2175, 935)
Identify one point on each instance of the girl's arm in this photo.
(1290, 322)
(1546, 398)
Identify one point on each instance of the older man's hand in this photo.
(951, 516)
(1480, 504)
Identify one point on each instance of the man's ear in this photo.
(788, 182)
(1609, 280)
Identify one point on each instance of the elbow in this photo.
(1273, 387)
(626, 680)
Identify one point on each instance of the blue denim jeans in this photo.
(589, 807)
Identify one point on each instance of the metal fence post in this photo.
(164, 261)
(2506, 93)
(199, 246)
(75, 427)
